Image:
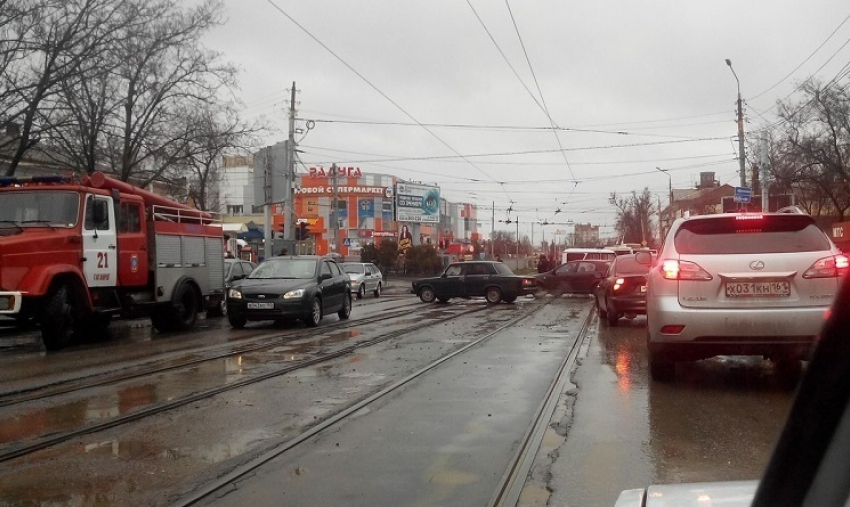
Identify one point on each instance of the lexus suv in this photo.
(740, 284)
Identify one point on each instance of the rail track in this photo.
(43, 442)
(250, 466)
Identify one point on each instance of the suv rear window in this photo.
(735, 235)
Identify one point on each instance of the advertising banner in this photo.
(366, 208)
(417, 203)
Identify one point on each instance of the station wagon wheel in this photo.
(315, 315)
(378, 290)
(361, 292)
(493, 295)
(427, 294)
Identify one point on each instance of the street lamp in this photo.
(741, 155)
(671, 182)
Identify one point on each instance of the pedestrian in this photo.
(498, 258)
(542, 264)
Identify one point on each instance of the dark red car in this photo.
(574, 277)
(623, 291)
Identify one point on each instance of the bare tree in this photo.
(58, 38)
(220, 131)
(164, 76)
(812, 156)
(633, 217)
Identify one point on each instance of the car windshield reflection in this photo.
(285, 268)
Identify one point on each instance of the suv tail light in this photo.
(683, 270)
(618, 283)
(828, 267)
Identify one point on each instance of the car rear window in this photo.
(503, 270)
(629, 266)
(735, 234)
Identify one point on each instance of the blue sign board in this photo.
(366, 208)
(743, 194)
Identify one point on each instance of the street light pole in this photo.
(671, 182)
(741, 156)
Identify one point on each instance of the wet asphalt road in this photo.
(617, 429)
(444, 440)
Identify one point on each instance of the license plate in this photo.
(758, 289)
(643, 288)
(261, 306)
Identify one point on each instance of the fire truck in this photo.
(74, 252)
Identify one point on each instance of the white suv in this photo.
(740, 284)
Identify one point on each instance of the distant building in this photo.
(586, 235)
(236, 185)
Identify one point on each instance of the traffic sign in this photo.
(743, 194)
(346, 242)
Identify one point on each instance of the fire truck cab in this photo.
(73, 254)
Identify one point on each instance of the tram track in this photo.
(58, 438)
(513, 480)
(253, 464)
(167, 363)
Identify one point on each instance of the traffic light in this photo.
(302, 232)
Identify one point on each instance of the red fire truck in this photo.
(75, 253)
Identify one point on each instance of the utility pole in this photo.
(268, 242)
(336, 209)
(741, 155)
(289, 179)
(493, 230)
(517, 238)
(765, 172)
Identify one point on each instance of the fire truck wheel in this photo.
(315, 316)
(185, 309)
(57, 323)
(236, 321)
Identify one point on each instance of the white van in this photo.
(580, 254)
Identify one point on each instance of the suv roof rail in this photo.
(792, 209)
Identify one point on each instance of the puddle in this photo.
(339, 337)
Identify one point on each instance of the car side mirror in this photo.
(643, 258)
(444, 275)
(326, 276)
(239, 277)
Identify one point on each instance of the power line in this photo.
(540, 92)
(538, 152)
(804, 61)
(374, 87)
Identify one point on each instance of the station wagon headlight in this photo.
(234, 294)
(294, 294)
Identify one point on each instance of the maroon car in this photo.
(575, 277)
(623, 291)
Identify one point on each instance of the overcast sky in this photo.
(643, 83)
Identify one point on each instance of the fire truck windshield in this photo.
(39, 209)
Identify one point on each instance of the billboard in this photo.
(417, 203)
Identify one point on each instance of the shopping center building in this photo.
(369, 207)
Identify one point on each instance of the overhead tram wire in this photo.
(528, 128)
(378, 90)
(538, 152)
(504, 57)
(822, 44)
(540, 91)
(320, 149)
